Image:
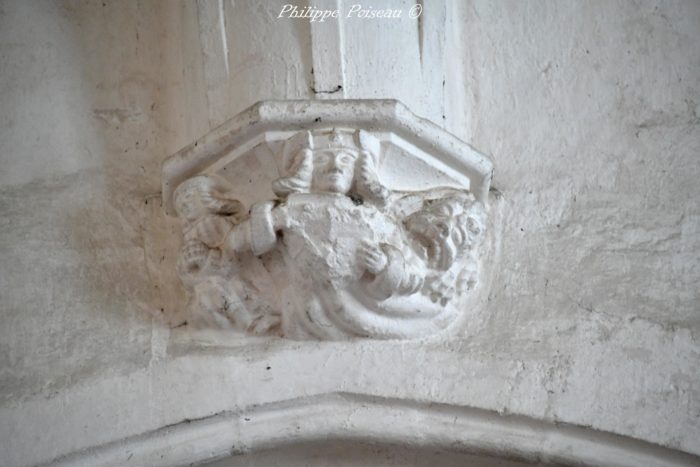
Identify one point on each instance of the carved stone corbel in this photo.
(328, 220)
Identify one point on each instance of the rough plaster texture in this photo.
(589, 111)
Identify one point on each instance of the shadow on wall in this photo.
(94, 92)
(356, 429)
(99, 94)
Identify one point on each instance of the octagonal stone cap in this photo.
(276, 120)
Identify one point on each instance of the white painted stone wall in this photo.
(590, 111)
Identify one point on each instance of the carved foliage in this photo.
(334, 255)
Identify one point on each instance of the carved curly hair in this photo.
(366, 182)
(213, 194)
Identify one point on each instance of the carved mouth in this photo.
(431, 248)
(435, 251)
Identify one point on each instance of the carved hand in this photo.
(372, 258)
(280, 217)
(212, 230)
(193, 255)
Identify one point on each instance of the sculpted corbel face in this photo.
(205, 195)
(445, 229)
(334, 171)
(189, 206)
(360, 233)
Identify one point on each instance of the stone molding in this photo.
(362, 418)
(328, 220)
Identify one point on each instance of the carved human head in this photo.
(447, 227)
(334, 165)
(205, 194)
(326, 162)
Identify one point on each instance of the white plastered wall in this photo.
(590, 112)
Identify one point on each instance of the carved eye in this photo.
(345, 158)
(443, 229)
(473, 226)
(322, 159)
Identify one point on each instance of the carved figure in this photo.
(342, 256)
(211, 274)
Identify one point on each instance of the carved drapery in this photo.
(328, 220)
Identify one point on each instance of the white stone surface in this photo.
(322, 424)
(589, 111)
(363, 222)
